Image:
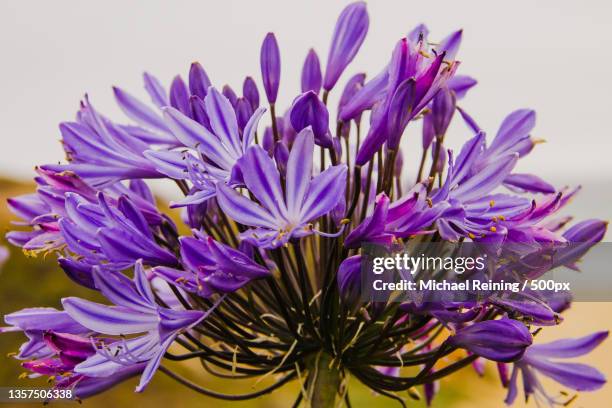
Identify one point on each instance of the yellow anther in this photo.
(502, 218)
(570, 401)
(23, 375)
(414, 394)
(493, 229)
(344, 221)
(491, 203)
(538, 141)
(494, 219)
(429, 202)
(472, 236)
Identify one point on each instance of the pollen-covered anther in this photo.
(491, 203)
(471, 235)
(493, 229)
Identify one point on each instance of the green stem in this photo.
(324, 383)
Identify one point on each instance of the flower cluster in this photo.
(261, 274)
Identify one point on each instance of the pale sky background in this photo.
(553, 56)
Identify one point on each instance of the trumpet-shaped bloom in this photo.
(414, 77)
(211, 267)
(115, 236)
(101, 152)
(543, 359)
(69, 350)
(135, 312)
(34, 322)
(216, 150)
(282, 216)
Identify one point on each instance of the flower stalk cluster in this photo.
(260, 276)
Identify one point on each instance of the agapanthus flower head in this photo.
(266, 271)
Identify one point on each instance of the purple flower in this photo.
(349, 278)
(117, 236)
(349, 33)
(229, 93)
(244, 111)
(366, 97)
(135, 312)
(217, 150)
(69, 351)
(498, 340)
(42, 211)
(282, 216)
(179, 95)
(353, 85)
(198, 81)
(311, 73)
(275, 249)
(442, 110)
(543, 359)
(211, 267)
(34, 322)
(250, 92)
(101, 152)
(414, 78)
(460, 84)
(153, 128)
(270, 67)
(308, 110)
(408, 216)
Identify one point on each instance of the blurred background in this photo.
(552, 56)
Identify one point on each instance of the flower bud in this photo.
(179, 96)
(349, 33)
(250, 92)
(311, 73)
(349, 279)
(198, 80)
(229, 93)
(501, 340)
(442, 110)
(243, 112)
(270, 67)
(308, 110)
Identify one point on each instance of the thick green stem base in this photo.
(324, 382)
